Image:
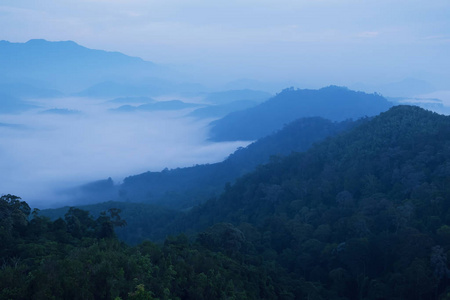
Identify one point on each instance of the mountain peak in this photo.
(48, 62)
(332, 102)
(51, 44)
(36, 41)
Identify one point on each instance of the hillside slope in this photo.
(185, 187)
(363, 214)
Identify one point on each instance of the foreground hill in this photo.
(140, 217)
(79, 257)
(333, 103)
(401, 154)
(361, 215)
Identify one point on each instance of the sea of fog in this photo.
(42, 153)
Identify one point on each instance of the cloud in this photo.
(60, 151)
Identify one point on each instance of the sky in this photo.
(311, 43)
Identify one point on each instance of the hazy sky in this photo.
(310, 42)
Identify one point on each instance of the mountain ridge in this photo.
(70, 67)
(182, 188)
(333, 103)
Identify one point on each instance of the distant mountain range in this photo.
(333, 103)
(69, 67)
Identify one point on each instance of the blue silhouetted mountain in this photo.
(68, 66)
(160, 105)
(12, 105)
(226, 97)
(220, 111)
(333, 103)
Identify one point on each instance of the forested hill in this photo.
(361, 215)
(401, 154)
(333, 103)
(364, 214)
(185, 187)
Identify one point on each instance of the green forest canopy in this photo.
(362, 215)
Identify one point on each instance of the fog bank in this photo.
(55, 150)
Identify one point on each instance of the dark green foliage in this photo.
(80, 258)
(144, 221)
(362, 215)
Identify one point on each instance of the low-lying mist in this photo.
(71, 141)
